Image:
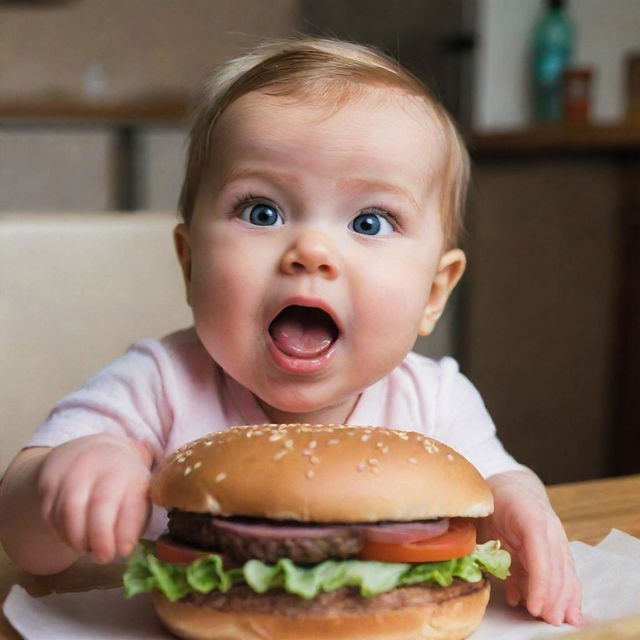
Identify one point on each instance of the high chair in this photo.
(75, 290)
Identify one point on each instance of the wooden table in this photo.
(588, 510)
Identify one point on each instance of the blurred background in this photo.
(94, 104)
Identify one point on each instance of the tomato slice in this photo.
(169, 551)
(458, 541)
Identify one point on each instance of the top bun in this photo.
(317, 473)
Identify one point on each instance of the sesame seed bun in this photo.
(315, 473)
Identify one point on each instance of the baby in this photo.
(323, 196)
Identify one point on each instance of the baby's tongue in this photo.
(302, 332)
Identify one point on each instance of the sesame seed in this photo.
(280, 454)
(380, 445)
(288, 443)
(197, 465)
(306, 452)
(314, 460)
(362, 466)
(384, 449)
(275, 437)
(188, 452)
(310, 474)
(430, 447)
(220, 477)
(373, 462)
(181, 459)
(333, 441)
(402, 435)
(365, 437)
(375, 470)
(450, 457)
(208, 443)
(313, 444)
(413, 461)
(187, 471)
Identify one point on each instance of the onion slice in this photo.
(405, 532)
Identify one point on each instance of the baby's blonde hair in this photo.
(331, 71)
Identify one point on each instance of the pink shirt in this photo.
(170, 391)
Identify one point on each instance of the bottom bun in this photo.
(451, 619)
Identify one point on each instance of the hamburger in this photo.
(318, 532)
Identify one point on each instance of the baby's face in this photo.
(315, 252)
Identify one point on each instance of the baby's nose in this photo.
(311, 252)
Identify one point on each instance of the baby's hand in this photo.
(543, 576)
(93, 494)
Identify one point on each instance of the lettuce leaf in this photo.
(145, 573)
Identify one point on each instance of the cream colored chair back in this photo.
(75, 290)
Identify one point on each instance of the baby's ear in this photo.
(182, 242)
(450, 270)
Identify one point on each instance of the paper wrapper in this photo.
(610, 574)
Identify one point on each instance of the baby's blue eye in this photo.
(371, 224)
(262, 215)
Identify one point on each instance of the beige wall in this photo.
(143, 46)
(49, 169)
(162, 157)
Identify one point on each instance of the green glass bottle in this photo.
(553, 44)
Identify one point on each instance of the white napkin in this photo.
(89, 615)
(610, 574)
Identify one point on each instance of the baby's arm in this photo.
(543, 576)
(87, 496)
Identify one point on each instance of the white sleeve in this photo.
(126, 398)
(464, 423)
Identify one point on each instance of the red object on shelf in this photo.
(576, 84)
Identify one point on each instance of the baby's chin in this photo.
(298, 407)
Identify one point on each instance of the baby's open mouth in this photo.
(303, 332)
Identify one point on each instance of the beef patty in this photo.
(266, 540)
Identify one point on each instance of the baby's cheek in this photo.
(399, 309)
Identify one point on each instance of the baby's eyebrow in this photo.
(273, 175)
(374, 185)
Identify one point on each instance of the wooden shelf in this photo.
(578, 138)
(72, 111)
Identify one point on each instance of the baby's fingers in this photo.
(574, 610)
(67, 517)
(541, 576)
(567, 603)
(103, 507)
(131, 521)
(516, 585)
